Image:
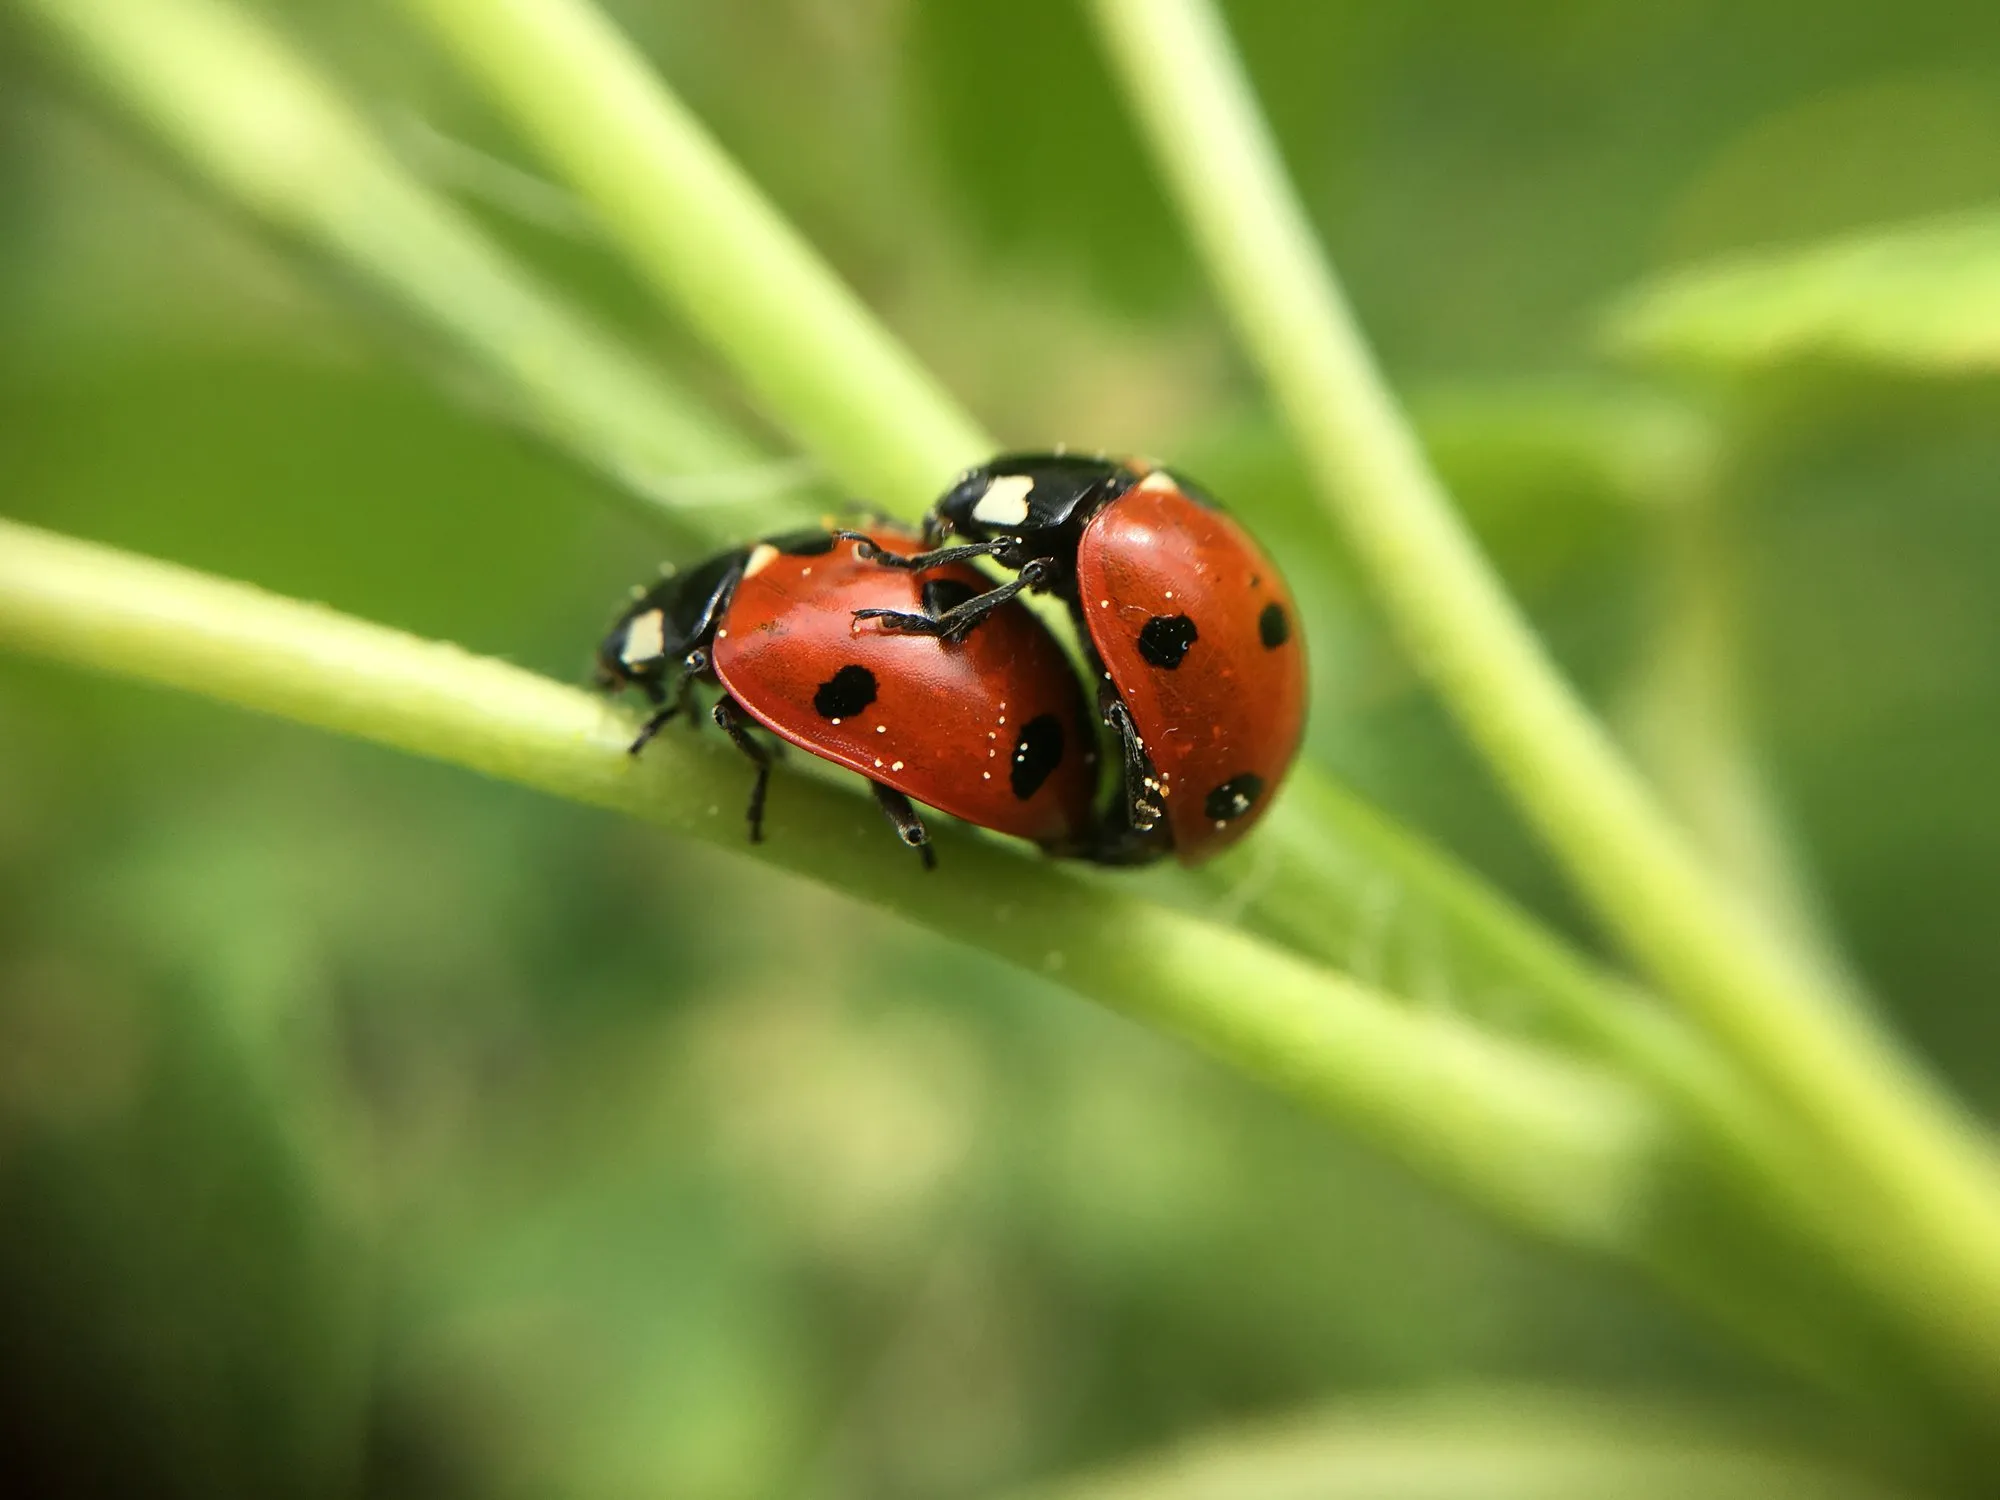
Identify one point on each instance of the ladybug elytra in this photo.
(993, 730)
(1201, 669)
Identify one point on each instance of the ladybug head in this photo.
(1030, 494)
(636, 651)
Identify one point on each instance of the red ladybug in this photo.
(1201, 667)
(993, 730)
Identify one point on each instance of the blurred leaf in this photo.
(1914, 143)
(183, 1296)
(620, 1334)
(1616, 446)
(1558, 477)
(1550, 472)
(1922, 297)
(1501, 1445)
(644, 1219)
(1059, 183)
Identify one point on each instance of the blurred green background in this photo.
(366, 1128)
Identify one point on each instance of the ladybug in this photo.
(993, 730)
(1201, 670)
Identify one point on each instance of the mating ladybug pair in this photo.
(891, 655)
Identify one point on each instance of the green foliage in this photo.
(1921, 298)
(1479, 1442)
(368, 1128)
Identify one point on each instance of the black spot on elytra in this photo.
(804, 543)
(1165, 640)
(1037, 752)
(941, 594)
(845, 693)
(1274, 626)
(1234, 797)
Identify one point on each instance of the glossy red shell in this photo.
(1232, 708)
(946, 720)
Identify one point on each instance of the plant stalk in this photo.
(1909, 1160)
(709, 243)
(1561, 1146)
(1566, 1148)
(258, 122)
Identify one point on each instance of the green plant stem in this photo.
(711, 245)
(1565, 1148)
(708, 242)
(1908, 1155)
(263, 127)
(260, 124)
(227, 92)
(1684, 715)
(1340, 882)
(273, 135)
(723, 256)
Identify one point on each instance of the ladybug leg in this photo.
(653, 725)
(729, 719)
(957, 623)
(909, 827)
(1139, 781)
(663, 711)
(921, 561)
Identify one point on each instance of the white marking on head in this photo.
(645, 639)
(1005, 502)
(761, 556)
(1159, 479)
